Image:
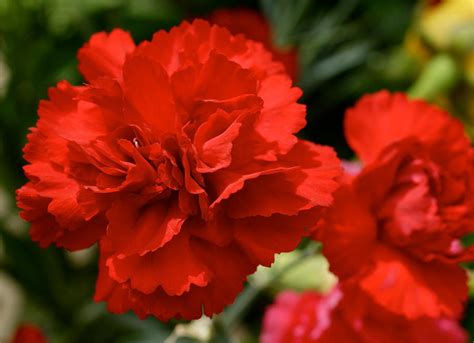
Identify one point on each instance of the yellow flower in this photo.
(443, 22)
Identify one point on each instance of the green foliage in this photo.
(341, 46)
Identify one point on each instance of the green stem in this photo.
(439, 76)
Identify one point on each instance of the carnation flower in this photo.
(28, 334)
(180, 156)
(347, 315)
(396, 227)
(255, 26)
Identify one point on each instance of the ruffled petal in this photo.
(49, 202)
(228, 274)
(252, 234)
(415, 289)
(104, 54)
(282, 116)
(161, 268)
(381, 119)
(308, 181)
(138, 230)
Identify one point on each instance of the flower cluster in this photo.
(179, 156)
(393, 235)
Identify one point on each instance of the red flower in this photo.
(254, 26)
(396, 227)
(29, 334)
(184, 149)
(347, 315)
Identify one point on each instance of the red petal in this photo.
(229, 271)
(281, 116)
(65, 116)
(381, 119)
(134, 229)
(310, 183)
(162, 268)
(348, 233)
(213, 140)
(286, 232)
(415, 289)
(50, 203)
(148, 93)
(28, 334)
(254, 26)
(105, 54)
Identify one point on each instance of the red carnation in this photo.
(396, 228)
(29, 334)
(183, 148)
(254, 26)
(347, 315)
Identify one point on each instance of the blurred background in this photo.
(339, 50)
